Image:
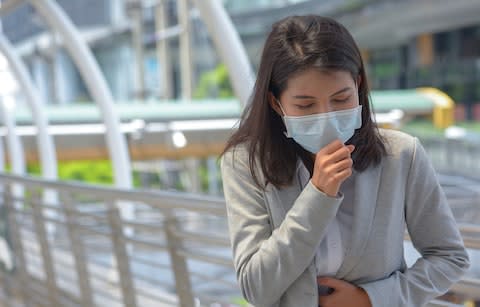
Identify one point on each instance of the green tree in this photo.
(214, 84)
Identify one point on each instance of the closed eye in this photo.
(341, 100)
(303, 107)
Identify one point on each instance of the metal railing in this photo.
(456, 156)
(82, 252)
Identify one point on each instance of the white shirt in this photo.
(331, 250)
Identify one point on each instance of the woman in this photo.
(318, 198)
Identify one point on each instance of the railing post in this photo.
(121, 256)
(78, 250)
(17, 243)
(179, 265)
(40, 228)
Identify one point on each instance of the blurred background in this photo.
(115, 112)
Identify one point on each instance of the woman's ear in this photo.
(274, 104)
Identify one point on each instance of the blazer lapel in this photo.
(283, 199)
(365, 201)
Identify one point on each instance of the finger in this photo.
(342, 175)
(340, 154)
(331, 282)
(332, 147)
(341, 165)
(335, 145)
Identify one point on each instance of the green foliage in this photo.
(214, 84)
(88, 171)
(240, 301)
(385, 70)
(456, 91)
(91, 171)
(100, 172)
(33, 169)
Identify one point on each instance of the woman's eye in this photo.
(302, 107)
(338, 100)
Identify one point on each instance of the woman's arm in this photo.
(434, 234)
(267, 262)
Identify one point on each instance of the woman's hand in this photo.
(333, 165)
(345, 294)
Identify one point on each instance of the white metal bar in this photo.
(183, 11)
(83, 58)
(162, 200)
(163, 50)
(47, 259)
(136, 12)
(229, 46)
(78, 251)
(121, 257)
(18, 249)
(45, 143)
(179, 265)
(14, 145)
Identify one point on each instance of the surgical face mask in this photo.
(313, 132)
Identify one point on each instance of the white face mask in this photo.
(313, 132)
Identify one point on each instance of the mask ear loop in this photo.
(283, 118)
(280, 105)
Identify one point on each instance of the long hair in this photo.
(296, 44)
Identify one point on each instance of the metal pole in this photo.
(136, 10)
(82, 56)
(14, 144)
(163, 51)
(213, 182)
(23, 280)
(183, 11)
(45, 143)
(229, 46)
(78, 250)
(47, 259)
(179, 265)
(120, 251)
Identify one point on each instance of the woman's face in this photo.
(314, 91)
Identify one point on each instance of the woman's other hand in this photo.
(333, 165)
(345, 294)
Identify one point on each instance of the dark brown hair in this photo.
(296, 44)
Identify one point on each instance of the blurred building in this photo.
(405, 43)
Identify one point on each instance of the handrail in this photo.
(167, 200)
(106, 264)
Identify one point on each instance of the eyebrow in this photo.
(312, 97)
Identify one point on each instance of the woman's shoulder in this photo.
(238, 153)
(235, 165)
(237, 158)
(399, 145)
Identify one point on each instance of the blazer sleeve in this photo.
(268, 261)
(434, 233)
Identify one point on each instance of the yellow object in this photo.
(469, 304)
(444, 109)
(425, 49)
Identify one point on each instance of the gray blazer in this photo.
(275, 232)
